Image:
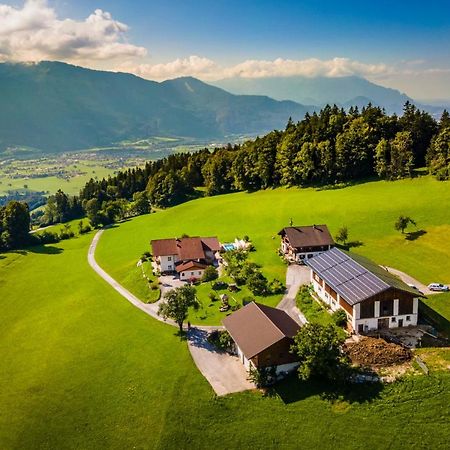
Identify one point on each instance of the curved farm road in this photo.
(224, 372)
(151, 309)
(410, 280)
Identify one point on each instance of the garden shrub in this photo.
(210, 274)
(339, 318)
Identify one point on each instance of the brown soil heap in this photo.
(376, 352)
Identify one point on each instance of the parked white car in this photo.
(438, 287)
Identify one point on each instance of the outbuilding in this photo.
(263, 337)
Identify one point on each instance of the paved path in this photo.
(410, 280)
(149, 308)
(296, 276)
(224, 372)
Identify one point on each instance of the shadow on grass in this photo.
(413, 235)
(350, 245)
(40, 249)
(292, 390)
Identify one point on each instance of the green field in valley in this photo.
(82, 368)
(369, 210)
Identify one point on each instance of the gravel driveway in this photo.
(224, 372)
(296, 276)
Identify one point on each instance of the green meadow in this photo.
(369, 210)
(83, 369)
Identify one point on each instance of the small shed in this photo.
(263, 337)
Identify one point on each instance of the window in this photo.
(192, 273)
(199, 272)
(408, 318)
(169, 266)
(169, 258)
(394, 319)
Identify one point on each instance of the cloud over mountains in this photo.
(34, 32)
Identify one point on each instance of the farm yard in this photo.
(97, 372)
(368, 210)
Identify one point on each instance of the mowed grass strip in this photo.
(82, 368)
(369, 211)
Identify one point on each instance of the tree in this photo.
(403, 222)
(319, 350)
(342, 235)
(141, 204)
(257, 283)
(402, 156)
(210, 274)
(438, 156)
(382, 158)
(176, 304)
(15, 226)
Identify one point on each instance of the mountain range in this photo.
(54, 106)
(343, 91)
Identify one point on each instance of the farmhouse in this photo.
(263, 336)
(187, 256)
(301, 243)
(372, 297)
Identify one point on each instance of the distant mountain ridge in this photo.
(343, 91)
(55, 106)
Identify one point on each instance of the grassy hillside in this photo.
(82, 368)
(369, 210)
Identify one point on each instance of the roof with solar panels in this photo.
(354, 277)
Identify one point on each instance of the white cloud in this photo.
(207, 69)
(34, 32)
(195, 66)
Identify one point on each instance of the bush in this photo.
(276, 287)
(219, 285)
(257, 283)
(213, 296)
(66, 234)
(83, 229)
(210, 274)
(47, 237)
(262, 377)
(247, 300)
(154, 285)
(235, 307)
(221, 339)
(339, 318)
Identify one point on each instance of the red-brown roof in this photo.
(190, 248)
(256, 327)
(164, 247)
(308, 236)
(211, 243)
(186, 248)
(189, 266)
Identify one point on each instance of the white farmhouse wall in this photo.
(167, 263)
(369, 324)
(242, 358)
(188, 274)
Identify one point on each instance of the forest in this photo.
(332, 147)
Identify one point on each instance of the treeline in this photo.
(326, 148)
(330, 147)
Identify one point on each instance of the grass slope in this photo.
(369, 210)
(82, 368)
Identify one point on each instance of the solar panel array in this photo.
(346, 276)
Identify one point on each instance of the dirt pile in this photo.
(376, 352)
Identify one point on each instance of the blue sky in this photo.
(403, 44)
